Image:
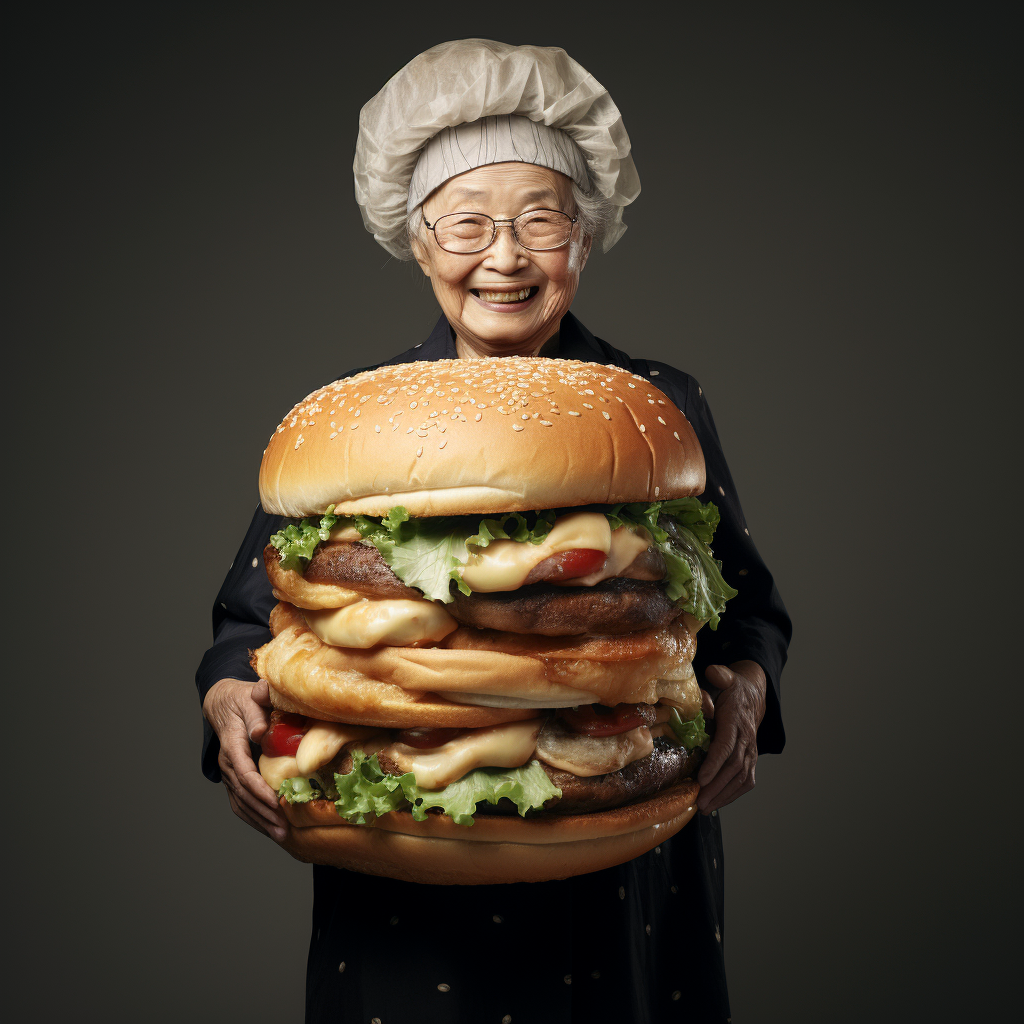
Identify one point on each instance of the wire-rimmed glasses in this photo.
(537, 230)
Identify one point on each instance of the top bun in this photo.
(461, 436)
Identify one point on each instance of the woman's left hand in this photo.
(728, 768)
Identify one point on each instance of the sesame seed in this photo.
(376, 427)
(419, 452)
(643, 429)
(605, 415)
(573, 412)
(443, 443)
(334, 434)
(662, 422)
(587, 405)
(546, 423)
(526, 416)
(477, 416)
(353, 426)
(412, 405)
(631, 385)
(657, 491)
(517, 426)
(675, 434)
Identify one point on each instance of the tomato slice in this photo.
(567, 565)
(599, 720)
(423, 738)
(285, 734)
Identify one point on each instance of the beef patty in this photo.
(610, 608)
(665, 765)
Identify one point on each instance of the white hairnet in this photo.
(462, 81)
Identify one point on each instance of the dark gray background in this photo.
(827, 239)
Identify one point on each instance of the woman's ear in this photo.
(420, 253)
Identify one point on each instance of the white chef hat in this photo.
(406, 147)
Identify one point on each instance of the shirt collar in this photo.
(574, 342)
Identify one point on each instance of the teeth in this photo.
(519, 296)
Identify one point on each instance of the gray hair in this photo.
(593, 212)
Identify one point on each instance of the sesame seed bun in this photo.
(466, 436)
(495, 849)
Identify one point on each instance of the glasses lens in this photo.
(463, 232)
(543, 229)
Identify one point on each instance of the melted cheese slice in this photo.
(505, 564)
(626, 546)
(323, 742)
(367, 623)
(500, 746)
(585, 756)
(276, 769)
(344, 533)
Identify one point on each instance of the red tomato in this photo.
(567, 565)
(285, 734)
(598, 720)
(424, 737)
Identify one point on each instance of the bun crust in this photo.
(461, 436)
(495, 849)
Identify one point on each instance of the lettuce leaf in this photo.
(298, 541)
(299, 790)
(367, 790)
(690, 734)
(429, 553)
(682, 530)
(528, 787)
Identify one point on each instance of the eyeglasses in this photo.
(537, 230)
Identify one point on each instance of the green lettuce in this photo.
(299, 790)
(298, 541)
(682, 530)
(367, 791)
(690, 734)
(429, 553)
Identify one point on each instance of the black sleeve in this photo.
(755, 625)
(240, 616)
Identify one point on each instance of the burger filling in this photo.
(604, 600)
(570, 761)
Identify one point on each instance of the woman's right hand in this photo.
(240, 712)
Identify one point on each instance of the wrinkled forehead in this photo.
(500, 189)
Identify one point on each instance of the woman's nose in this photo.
(506, 255)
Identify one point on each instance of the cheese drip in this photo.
(505, 564)
(367, 623)
(500, 746)
(276, 769)
(323, 741)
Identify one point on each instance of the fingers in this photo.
(734, 766)
(718, 753)
(742, 782)
(720, 677)
(261, 694)
(255, 714)
(235, 747)
(707, 705)
(270, 819)
(245, 815)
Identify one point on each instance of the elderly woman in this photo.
(498, 168)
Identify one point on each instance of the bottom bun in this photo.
(495, 849)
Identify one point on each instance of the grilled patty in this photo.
(610, 608)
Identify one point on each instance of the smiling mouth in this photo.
(520, 296)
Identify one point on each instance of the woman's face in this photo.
(471, 288)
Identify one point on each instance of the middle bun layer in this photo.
(477, 666)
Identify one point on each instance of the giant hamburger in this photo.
(489, 595)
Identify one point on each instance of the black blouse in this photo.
(641, 942)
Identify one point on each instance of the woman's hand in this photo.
(728, 768)
(239, 712)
